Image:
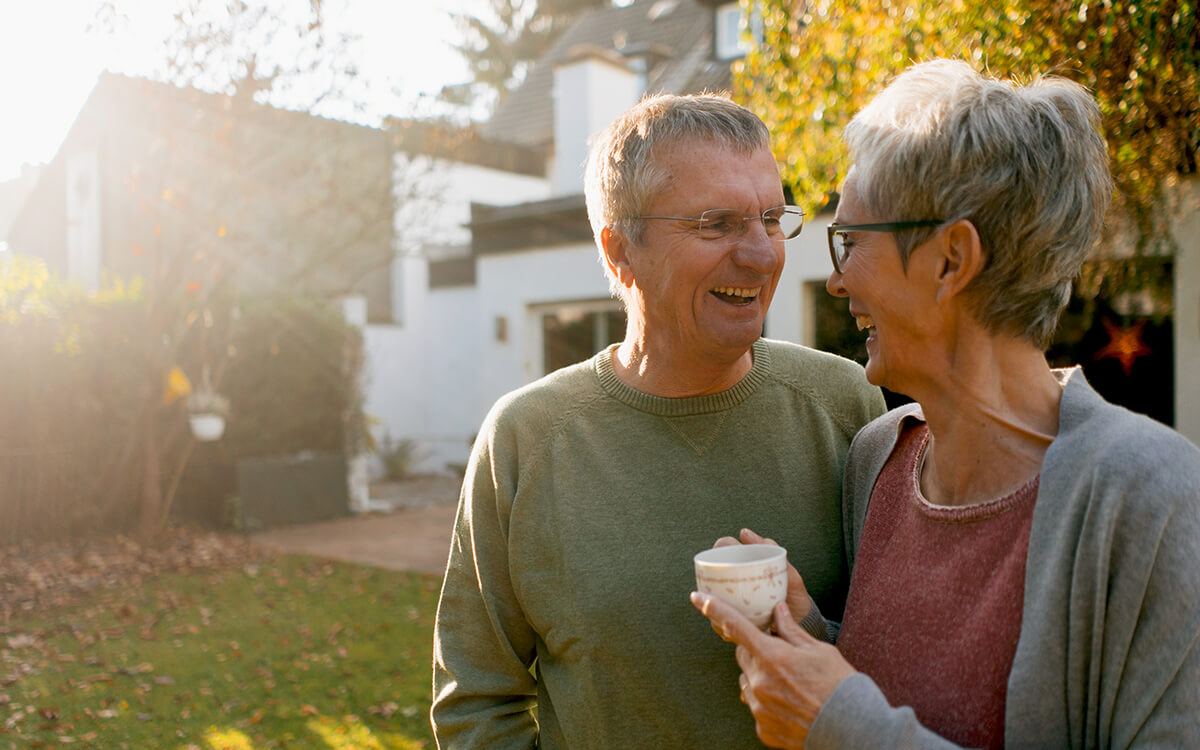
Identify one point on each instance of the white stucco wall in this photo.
(422, 373)
(510, 284)
(435, 222)
(1187, 313)
(588, 95)
(789, 318)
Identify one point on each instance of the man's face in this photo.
(702, 297)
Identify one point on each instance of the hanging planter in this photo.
(207, 410)
(207, 426)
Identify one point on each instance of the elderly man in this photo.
(1026, 563)
(563, 619)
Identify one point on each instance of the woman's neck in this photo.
(991, 419)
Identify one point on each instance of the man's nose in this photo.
(756, 249)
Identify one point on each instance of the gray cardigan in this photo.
(1109, 650)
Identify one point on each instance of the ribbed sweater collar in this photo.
(679, 407)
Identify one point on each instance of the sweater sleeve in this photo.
(858, 715)
(484, 694)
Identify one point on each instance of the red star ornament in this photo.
(1125, 344)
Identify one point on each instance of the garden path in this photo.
(413, 535)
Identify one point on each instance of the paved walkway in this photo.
(414, 535)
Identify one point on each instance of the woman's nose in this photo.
(833, 284)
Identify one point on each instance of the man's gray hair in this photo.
(623, 176)
(1027, 165)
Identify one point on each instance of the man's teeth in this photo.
(864, 322)
(738, 292)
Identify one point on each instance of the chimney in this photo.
(592, 86)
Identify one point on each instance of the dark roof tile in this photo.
(675, 34)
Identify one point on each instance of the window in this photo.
(730, 38)
(573, 332)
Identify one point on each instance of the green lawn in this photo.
(288, 652)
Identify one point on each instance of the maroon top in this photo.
(934, 609)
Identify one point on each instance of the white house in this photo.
(523, 293)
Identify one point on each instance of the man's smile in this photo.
(736, 295)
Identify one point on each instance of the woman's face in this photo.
(894, 305)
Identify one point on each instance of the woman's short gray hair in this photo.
(1027, 165)
(623, 176)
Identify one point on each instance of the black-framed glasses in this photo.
(780, 222)
(839, 248)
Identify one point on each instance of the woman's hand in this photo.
(798, 600)
(785, 680)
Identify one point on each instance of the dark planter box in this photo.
(285, 491)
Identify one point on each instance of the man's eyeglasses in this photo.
(839, 248)
(780, 222)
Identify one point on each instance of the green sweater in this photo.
(564, 618)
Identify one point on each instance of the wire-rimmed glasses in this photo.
(839, 249)
(780, 222)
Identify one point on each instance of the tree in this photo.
(235, 195)
(500, 50)
(821, 61)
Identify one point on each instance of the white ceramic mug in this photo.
(751, 577)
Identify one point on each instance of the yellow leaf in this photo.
(177, 386)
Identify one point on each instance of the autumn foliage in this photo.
(822, 61)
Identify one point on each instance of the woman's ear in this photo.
(616, 255)
(962, 259)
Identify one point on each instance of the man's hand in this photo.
(798, 600)
(786, 679)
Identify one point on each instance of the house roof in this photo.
(464, 145)
(673, 36)
(555, 221)
(175, 166)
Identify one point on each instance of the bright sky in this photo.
(50, 61)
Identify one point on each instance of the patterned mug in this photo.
(751, 577)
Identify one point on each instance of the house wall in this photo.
(420, 375)
(423, 373)
(790, 316)
(433, 379)
(588, 95)
(1187, 312)
(434, 223)
(510, 286)
(12, 196)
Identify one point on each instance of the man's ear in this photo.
(961, 259)
(616, 255)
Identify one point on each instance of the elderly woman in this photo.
(1025, 556)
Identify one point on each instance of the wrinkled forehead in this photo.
(701, 149)
(711, 161)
